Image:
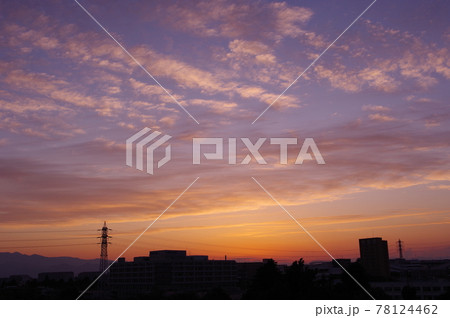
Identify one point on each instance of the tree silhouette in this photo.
(267, 284)
(300, 281)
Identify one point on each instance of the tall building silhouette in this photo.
(374, 256)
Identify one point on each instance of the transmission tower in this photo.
(104, 247)
(400, 248)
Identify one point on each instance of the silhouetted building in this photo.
(19, 279)
(405, 270)
(56, 276)
(172, 271)
(88, 275)
(374, 256)
(433, 289)
(330, 271)
(417, 279)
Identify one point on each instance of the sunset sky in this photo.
(376, 104)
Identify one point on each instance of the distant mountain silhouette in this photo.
(21, 264)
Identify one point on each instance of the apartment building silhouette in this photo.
(374, 257)
(172, 270)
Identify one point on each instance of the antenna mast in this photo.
(400, 248)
